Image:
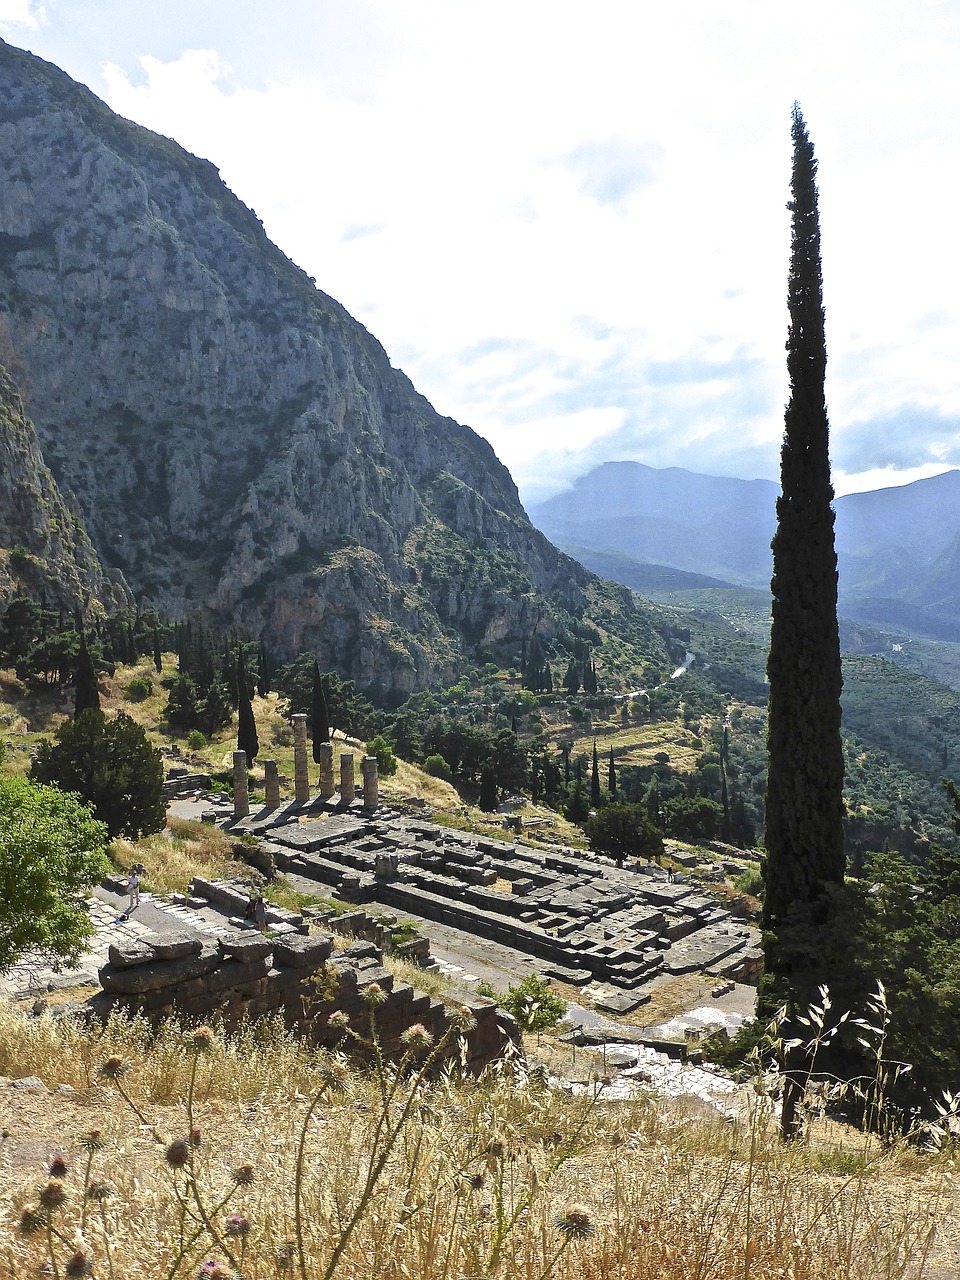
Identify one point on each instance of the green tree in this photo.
(319, 720)
(112, 766)
(804, 799)
(622, 831)
(87, 690)
(386, 760)
(51, 855)
(246, 723)
(595, 778)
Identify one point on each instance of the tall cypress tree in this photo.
(611, 776)
(804, 801)
(246, 724)
(595, 778)
(320, 717)
(86, 687)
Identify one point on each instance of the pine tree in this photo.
(87, 691)
(246, 724)
(804, 801)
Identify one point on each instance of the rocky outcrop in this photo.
(239, 445)
(44, 549)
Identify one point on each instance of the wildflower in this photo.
(236, 1225)
(98, 1189)
(335, 1073)
(243, 1175)
(575, 1222)
(80, 1263)
(460, 1017)
(200, 1040)
(195, 1136)
(177, 1153)
(213, 1269)
(58, 1166)
(417, 1037)
(476, 1182)
(53, 1195)
(92, 1141)
(32, 1218)
(373, 995)
(339, 1021)
(284, 1256)
(113, 1068)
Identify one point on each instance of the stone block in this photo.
(177, 946)
(296, 952)
(127, 955)
(245, 948)
(161, 973)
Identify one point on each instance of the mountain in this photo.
(240, 447)
(44, 548)
(898, 549)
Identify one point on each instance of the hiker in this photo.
(133, 888)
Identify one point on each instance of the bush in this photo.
(386, 760)
(533, 1004)
(195, 740)
(623, 830)
(139, 688)
(437, 767)
(750, 882)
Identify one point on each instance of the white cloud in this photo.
(21, 13)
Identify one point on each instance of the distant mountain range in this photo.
(898, 549)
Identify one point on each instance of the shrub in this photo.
(139, 688)
(437, 767)
(533, 1004)
(195, 740)
(386, 760)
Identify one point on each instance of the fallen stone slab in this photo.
(622, 1002)
(127, 955)
(299, 952)
(160, 973)
(176, 946)
(245, 948)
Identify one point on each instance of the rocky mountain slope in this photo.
(44, 549)
(238, 444)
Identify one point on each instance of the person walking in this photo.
(260, 914)
(133, 888)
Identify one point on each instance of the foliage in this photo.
(531, 1001)
(692, 817)
(51, 855)
(347, 709)
(111, 765)
(139, 688)
(247, 740)
(319, 716)
(386, 760)
(622, 831)
(437, 767)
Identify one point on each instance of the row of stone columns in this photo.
(301, 775)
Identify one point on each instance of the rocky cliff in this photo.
(44, 549)
(238, 444)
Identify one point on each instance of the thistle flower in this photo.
(373, 995)
(460, 1017)
(114, 1068)
(58, 1166)
(243, 1175)
(99, 1189)
(80, 1263)
(53, 1195)
(177, 1153)
(32, 1218)
(575, 1222)
(195, 1136)
(236, 1226)
(284, 1256)
(417, 1037)
(92, 1141)
(339, 1021)
(213, 1269)
(476, 1182)
(200, 1040)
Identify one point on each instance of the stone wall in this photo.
(298, 978)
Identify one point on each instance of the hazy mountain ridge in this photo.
(898, 548)
(238, 444)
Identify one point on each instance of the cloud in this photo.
(359, 230)
(611, 170)
(22, 13)
(910, 436)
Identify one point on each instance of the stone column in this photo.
(241, 797)
(348, 791)
(301, 777)
(271, 784)
(371, 782)
(327, 787)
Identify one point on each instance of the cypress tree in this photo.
(595, 778)
(246, 724)
(263, 672)
(86, 689)
(611, 776)
(320, 720)
(157, 656)
(804, 800)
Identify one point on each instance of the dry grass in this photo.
(474, 1186)
(172, 857)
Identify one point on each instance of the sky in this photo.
(567, 223)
